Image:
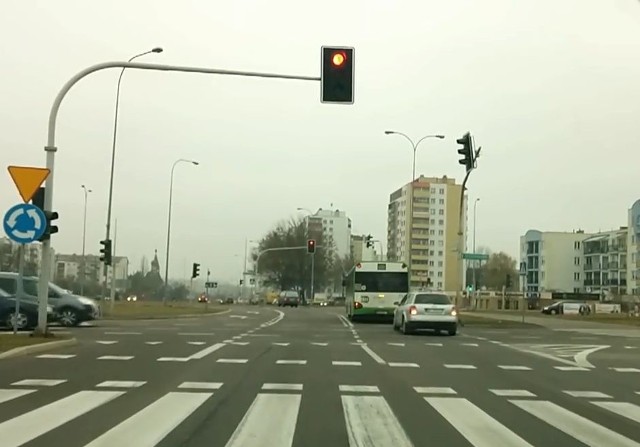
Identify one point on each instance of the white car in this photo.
(425, 310)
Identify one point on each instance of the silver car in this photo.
(426, 310)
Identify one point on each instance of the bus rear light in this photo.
(357, 305)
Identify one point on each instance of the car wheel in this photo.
(68, 317)
(553, 312)
(453, 331)
(22, 321)
(405, 327)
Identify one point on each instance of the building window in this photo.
(441, 222)
(433, 201)
(441, 212)
(430, 263)
(440, 243)
(576, 276)
(440, 284)
(433, 221)
(439, 252)
(440, 232)
(440, 263)
(432, 232)
(430, 252)
(441, 201)
(439, 274)
(576, 261)
(441, 190)
(576, 245)
(433, 190)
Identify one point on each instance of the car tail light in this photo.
(357, 305)
(413, 310)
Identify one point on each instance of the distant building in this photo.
(633, 250)
(70, 266)
(332, 225)
(423, 223)
(360, 251)
(33, 255)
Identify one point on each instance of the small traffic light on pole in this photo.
(311, 246)
(105, 251)
(508, 282)
(50, 229)
(195, 271)
(369, 240)
(336, 83)
(466, 151)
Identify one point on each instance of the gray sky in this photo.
(549, 88)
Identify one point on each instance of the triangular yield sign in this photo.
(28, 179)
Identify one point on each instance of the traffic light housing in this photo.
(105, 251)
(508, 282)
(241, 282)
(195, 270)
(336, 83)
(369, 241)
(311, 246)
(50, 229)
(466, 151)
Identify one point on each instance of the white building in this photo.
(423, 224)
(633, 250)
(334, 225)
(32, 255)
(70, 266)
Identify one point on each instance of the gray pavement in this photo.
(308, 377)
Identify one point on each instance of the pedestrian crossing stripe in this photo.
(367, 417)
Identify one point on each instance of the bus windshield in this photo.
(391, 282)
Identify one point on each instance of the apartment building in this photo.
(422, 230)
(70, 266)
(32, 255)
(633, 250)
(334, 225)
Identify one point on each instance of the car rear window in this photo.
(432, 298)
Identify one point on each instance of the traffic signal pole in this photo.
(51, 149)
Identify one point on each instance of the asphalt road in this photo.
(265, 376)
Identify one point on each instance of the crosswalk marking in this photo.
(403, 365)
(201, 385)
(588, 394)
(450, 366)
(342, 363)
(6, 395)
(173, 359)
(514, 367)
(627, 370)
(571, 368)
(581, 428)
(153, 343)
(434, 344)
(197, 343)
(281, 344)
(39, 382)
(370, 422)
(315, 343)
(626, 409)
(232, 360)
(153, 423)
(268, 411)
(480, 429)
(358, 388)
(107, 342)
(291, 362)
(24, 428)
(282, 386)
(120, 384)
(513, 393)
(115, 357)
(55, 356)
(433, 390)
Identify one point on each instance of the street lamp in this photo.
(475, 209)
(414, 147)
(113, 156)
(84, 239)
(166, 268)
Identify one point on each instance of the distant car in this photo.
(426, 310)
(558, 307)
(203, 299)
(289, 298)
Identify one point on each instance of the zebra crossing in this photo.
(368, 417)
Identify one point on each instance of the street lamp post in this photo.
(166, 267)
(113, 158)
(84, 239)
(414, 147)
(475, 209)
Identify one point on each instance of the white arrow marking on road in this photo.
(13, 217)
(107, 342)
(396, 344)
(281, 344)
(561, 353)
(153, 342)
(242, 317)
(197, 343)
(33, 214)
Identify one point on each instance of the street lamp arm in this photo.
(53, 115)
(425, 137)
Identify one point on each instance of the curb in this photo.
(37, 348)
(167, 317)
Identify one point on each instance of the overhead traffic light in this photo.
(336, 82)
(466, 151)
(311, 246)
(195, 270)
(369, 241)
(105, 251)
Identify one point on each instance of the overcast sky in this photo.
(549, 88)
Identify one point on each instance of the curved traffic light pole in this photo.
(50, 149)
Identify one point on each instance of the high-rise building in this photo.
(333, 225)
(423, 224)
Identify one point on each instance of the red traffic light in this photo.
(338, 59)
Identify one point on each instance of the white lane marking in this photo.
(630, 347)
(319, 343)
(588, 394)
(281, 344)
(232, 360)
(453, 366)
(107, 342)
(626, 370)
(434, 390)
(434, 344)
(370, 422)
(197, 343)
(577, 353)
(266, 412)
(514, 367)
(237, 337)
(6, 395)
(513, 393)
(358, 389)
(153, 423)
(403, 365)
(173, 359)
(56, 356)
(120, 384)
(206, 351)
(291, 362)
(195, 334)
(115, 357)
(39, 382)
(626, 409)
(122, 333)
(571, 368)
(253, 312)
(153, 343)
(395, 344)
(240, 343)
(373, 355)
(242, 317)
(469, 344)
(200, 385)
(341, 363)
(480, 429)
(282, 386)
(28, 426)
(581, 428)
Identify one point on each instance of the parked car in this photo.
(27, 314)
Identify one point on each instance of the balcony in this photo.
(592, 267)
